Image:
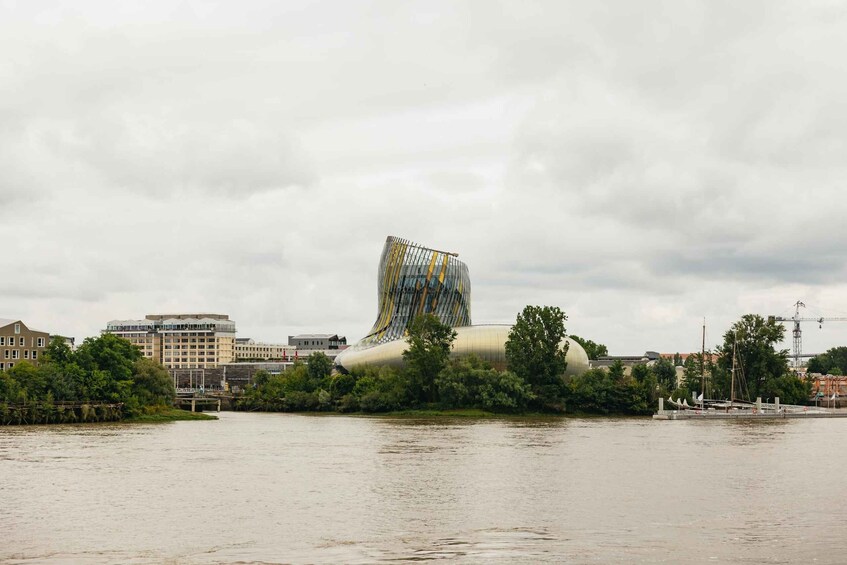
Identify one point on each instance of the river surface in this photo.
(282, 488)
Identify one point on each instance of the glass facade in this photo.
(414, 280)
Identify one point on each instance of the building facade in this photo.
(317, 342)
(180, 341)
(414, 280)
(247, 349)
(20, 343)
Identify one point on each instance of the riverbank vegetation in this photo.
(534, 381)
(833, 362)
(746, 365)
(105, 379)
(430, 382)
(154, 414)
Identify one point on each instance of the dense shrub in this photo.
(463, 383)
(105, 379)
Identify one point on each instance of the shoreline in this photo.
(169, 415)
(158, 416)
(469, 413)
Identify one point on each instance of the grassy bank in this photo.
(170, 415)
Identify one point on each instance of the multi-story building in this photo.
(317, 342)
(181, 341)
(247, 349)
(19, 343)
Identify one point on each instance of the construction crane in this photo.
(797, 333)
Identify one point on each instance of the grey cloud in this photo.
(620, 160)
(456, 181)
(164, 155)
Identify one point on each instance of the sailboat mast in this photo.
(703, 363)
(732, 382)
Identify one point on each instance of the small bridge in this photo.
(197, 399)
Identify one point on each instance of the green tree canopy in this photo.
(429, 342)
(534, 352)
(594, 350)
(693, 365)
(319, 366)
(833, 362)
(109, 353)
(105, 369)
(57, 351)
(665, 372)
(758, 364)
(152, 384)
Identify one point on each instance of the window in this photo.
(2, 340)
(11, 365)
(17, 328)
(6, 356)
(41, 342)
(22, 341)
(26, 353)
(35, 354)
(16, 354)
(1, 366)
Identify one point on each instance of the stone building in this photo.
(20, 343)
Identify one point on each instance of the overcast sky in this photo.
(639, 164)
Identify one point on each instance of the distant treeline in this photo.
(534, 381)
(106, 378)
(463, 383)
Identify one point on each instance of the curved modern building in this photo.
(414, 280)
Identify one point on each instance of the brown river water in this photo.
(282, 488)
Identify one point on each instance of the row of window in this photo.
(185, 360)
(16, 354)
(10, 341)
(6, 366)
(208, 332)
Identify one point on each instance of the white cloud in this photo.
(640, 165)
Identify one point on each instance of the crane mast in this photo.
(797, 333)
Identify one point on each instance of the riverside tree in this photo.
(833, 362)
(104, 370)
(593, 350)
(761, 369)
(319, 366)
(429, 342)
(534, 352)
(696, 367)
(665, 373)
